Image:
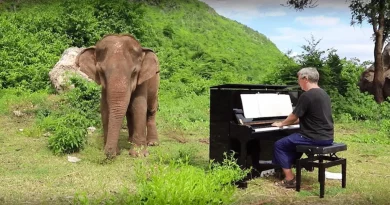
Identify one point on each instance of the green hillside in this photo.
(196, 47)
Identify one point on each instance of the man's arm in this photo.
(291, 119)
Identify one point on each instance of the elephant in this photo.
(129, 78)
(366, 78)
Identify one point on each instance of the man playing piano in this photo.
(314, 114)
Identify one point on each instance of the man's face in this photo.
(302, 81)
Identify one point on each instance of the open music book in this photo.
(266, 105)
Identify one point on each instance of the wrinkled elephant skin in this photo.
(366, 78)
(129, 77)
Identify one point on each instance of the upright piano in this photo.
(250, 139)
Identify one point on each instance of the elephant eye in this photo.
(135, 72)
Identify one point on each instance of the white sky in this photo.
(289, 29)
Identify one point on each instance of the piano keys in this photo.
(250, 139)
(269, 129)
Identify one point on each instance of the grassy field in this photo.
(31, 174)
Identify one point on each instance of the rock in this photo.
(47, 134)
(73, 159)
(18, 113)
(91, 130)
(65, 68)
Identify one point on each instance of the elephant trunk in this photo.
(118, 98)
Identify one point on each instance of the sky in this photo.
(289, 29)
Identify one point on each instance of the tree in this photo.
(376, 13)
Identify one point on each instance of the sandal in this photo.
(287, 183)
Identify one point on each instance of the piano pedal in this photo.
(267, 173)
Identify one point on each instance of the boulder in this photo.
(65, 68)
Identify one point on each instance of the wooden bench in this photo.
(326, 157)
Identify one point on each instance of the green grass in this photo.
(31, 174)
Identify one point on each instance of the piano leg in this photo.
(242, 155)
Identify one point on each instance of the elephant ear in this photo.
(86, 60)
(150, 66)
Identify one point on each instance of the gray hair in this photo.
(310, 73)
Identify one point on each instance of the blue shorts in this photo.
(284, 149)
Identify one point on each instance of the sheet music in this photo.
(266, 105)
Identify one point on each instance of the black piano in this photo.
(250, 139)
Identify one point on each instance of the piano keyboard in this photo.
(267, 129)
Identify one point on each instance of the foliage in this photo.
(25, 58)
(68, 125)
(376, 13)
(187, 184)
(363, 11)
(68, 133)
(85, 97)
(339, 78)
(182, 33)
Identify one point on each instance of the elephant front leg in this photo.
(137, 117)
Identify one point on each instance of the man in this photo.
(314, 114)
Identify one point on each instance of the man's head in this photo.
(308, 78)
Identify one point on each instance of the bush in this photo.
(178, 183)
(69, 134)
(85, 97)
(68, 124)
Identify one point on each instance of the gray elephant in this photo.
(366, 78)
(129, 77)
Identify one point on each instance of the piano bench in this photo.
(326, 157)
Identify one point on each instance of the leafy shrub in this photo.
(78, 110)
(69, 133)
(178, 183)
(26, 54)
(360, 106)
(85, 97)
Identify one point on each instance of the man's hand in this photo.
(277, 124)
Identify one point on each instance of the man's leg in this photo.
(285, 152)
(288, 174)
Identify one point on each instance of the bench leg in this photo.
(321, 173)
(344, 173)
(320, 161)
(298, 175)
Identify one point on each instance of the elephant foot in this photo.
(138, 151)
(110, 154)
(153, 143)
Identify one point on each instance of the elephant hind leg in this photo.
(130, 127)
(152, 136)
